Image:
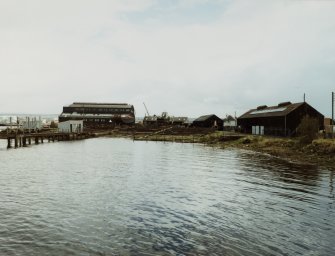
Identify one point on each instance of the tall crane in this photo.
(146, 109)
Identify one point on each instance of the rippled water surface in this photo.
(119, 197)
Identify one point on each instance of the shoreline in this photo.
(321, 152)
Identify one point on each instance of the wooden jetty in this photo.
(24, 139)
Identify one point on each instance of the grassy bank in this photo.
(214, 138)
(319, 152)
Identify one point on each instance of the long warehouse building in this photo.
(99, 113)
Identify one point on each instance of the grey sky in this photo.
(187, 57)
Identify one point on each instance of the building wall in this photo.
(327, 121)
(231, 123)
(112, 120)
(71, 126)
(272, 125)
(97, 110)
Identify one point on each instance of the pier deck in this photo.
(24, 139)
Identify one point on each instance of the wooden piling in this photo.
(22, 140)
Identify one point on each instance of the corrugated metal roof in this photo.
(203, 118)
(100, 105)
(271, 111)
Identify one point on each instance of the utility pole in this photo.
(304, 97)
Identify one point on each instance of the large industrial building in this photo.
(99, 114)
(280, 120)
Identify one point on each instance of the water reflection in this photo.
(331, 190)
(331, 182)
(115, 196)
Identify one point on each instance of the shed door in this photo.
(254, 128)
(258, 130)
(261, 130)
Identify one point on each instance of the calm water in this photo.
(119, 197)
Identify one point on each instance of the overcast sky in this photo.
(186, 57)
